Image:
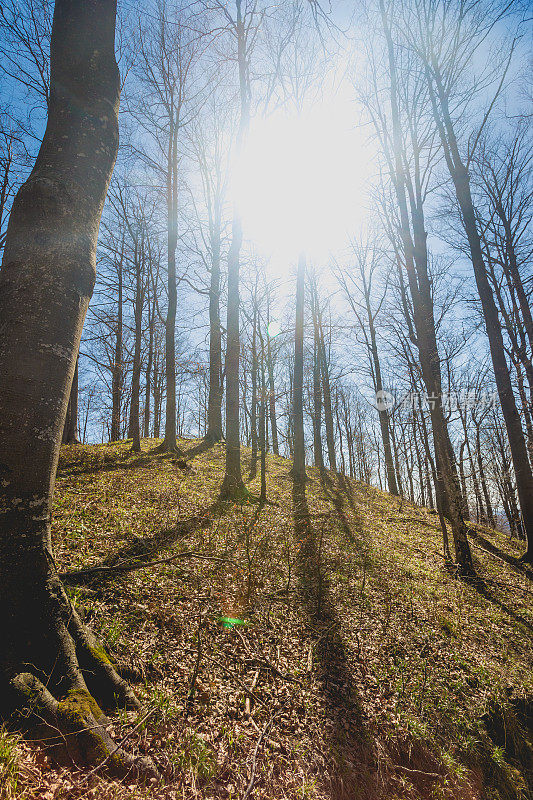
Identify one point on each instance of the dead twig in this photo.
(262, 735)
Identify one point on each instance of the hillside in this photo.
(361, 669)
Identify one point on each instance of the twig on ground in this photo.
(262, 735)
(237, 680)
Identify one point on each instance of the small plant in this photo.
(9, 766)
(196, 757)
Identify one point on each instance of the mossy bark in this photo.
(47, 277)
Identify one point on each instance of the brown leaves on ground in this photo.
(372, 666)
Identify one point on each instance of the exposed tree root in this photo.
(60, 705)
(233, 492)
(72, 729)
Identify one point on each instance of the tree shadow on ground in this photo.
(338, 491)
(137, 551)
(124, 462)
(202, 447)
(490, 595)
(350, 746)
(490, 547)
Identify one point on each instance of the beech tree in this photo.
(50, 663)
(445, 44)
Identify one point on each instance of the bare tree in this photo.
(45, 286)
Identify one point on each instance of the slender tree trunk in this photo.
(272, 399)
(169, 443)
(214, 431)
(149, 365)
(117, 375)
(253, 414)
(326, 390)
(298, 467)
(233, 485)
(46, 280)
(461, 181)
(378, 386)
(134, 431)
(317, 391)
(488, 506)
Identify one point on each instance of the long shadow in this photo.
(350, 746)
(489, 595)
(202, 447)
(91, 468)
(336, 491)
(489, 547)
(136, 552)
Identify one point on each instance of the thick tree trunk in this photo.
(47, 278)
(298, 467)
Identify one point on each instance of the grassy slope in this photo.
(372, 668)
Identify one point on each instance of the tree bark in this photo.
(461, 181)
(317, 395)
(233, 485)
(169, 443)
(326, 390)
(134, 432)
(298, 467)
(253, 410)
(117, 375)
(70, 428)
(214, 431)
(47, 278)
(415, 254)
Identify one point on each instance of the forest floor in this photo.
(358, 666)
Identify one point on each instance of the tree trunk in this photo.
(317, 391)
(70, 428)
(149, 365)
(47, 278)
(169, 442)
(134, 431)
(117, 376)
(415, 254)
(298, 467)
(214, 431)
(326, 389)
(461, 181)
(253, 414)
(272, 399)
(233, 485)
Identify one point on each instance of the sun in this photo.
(300, 181)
